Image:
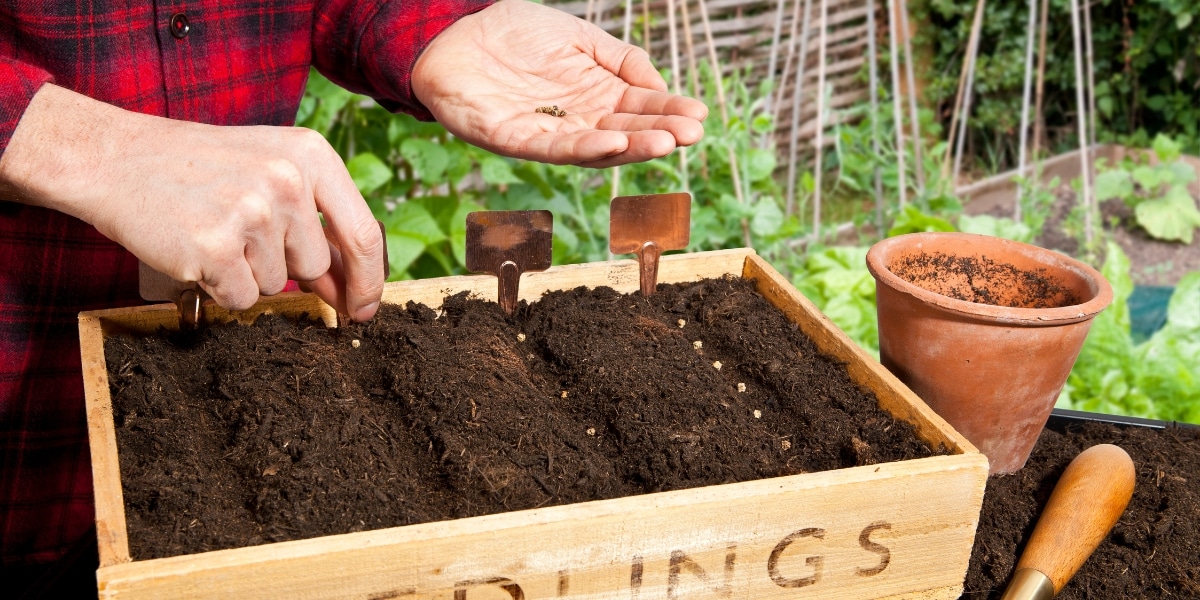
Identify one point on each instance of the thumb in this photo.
(628, 62)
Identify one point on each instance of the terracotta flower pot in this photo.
(989, 350)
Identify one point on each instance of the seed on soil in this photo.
(697, 344)
(741, 387)
(520, 337)
(681, 323)
(591, 431)
(757, 414)
(717, 365)
(355, 343)
(563, 395)
(785, 445)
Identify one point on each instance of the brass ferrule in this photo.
(1029, 584)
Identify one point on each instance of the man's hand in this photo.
(234, 209)
(484, 78)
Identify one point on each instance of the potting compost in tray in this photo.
(242, 435)
(1152, 552)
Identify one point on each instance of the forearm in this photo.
(61, 152)
(234, 208)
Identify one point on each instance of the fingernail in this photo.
(365, 313)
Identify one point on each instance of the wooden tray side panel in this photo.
(893, 395)
(621, 275)
(146, 320)
(866, 532)
(102, 442)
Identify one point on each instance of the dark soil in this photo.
(1152, 261)
(1152, 552)
(982, 280)
(286, 430)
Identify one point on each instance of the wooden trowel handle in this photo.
(1087, 501)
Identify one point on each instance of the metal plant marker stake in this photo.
(649, 225)
(507, 243)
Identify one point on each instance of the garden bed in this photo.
(1152, 551)
(1153, 262)
(863, 530)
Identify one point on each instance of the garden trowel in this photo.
(187, 296)
(507, 243)
(1085, 504)
(649, 225)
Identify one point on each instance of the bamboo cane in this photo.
(1038, 121)
(676, 79)
(1090, 69)
(1030, 30)
(897, 114)
(914, 120)
(734, 167)
(797, 92)
(625, 35)
(873, 78)
(967, 94)
(690, 48)
(818, 164)
(646, 25)
(976, 26)
(1081, 109)
(787, 63)
(772, 58)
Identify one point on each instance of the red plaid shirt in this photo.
(230, 63)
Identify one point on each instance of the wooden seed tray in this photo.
(894, 530)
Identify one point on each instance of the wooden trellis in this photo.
(743, 34)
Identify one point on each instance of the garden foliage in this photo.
(420, 181)
(1159, 378)
(1146, 69)
(1157, 191)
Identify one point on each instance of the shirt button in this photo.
(179, 26)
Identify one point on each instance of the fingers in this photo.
(630, 63)
(355, 233)
(643, 146)
(568, 146)
(641, 101)
(232, 285)
(330, 286)
(685, 131)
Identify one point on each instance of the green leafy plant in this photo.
(837, 280)
(1159, 378)
(1156, 190)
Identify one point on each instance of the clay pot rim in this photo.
(1032, 317)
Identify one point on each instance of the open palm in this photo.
(484, 78)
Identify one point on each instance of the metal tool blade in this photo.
(649, 225)
(157, 287)
(187, 296)
(508, 243)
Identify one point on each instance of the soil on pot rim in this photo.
(1154, 549)
(983, 281)
(242, 435)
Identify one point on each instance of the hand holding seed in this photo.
(486, 77)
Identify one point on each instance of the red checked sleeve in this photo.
(370, 47)
(19, 81)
